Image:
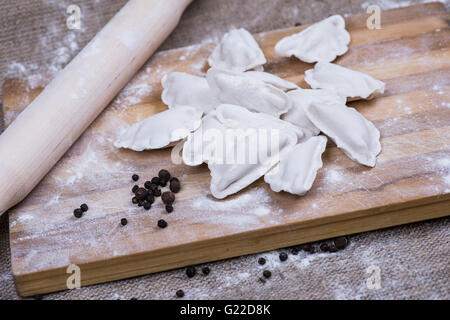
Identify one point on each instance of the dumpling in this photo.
(297, 170)
(358, 138)
(273, 80)
(201, 145)
(183, 89)
(254, 94)
(253, 145)
(300, 99)
(323, 41)
(345, 82)
(238, 51)
(160, 130)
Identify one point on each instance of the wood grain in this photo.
(411, 181)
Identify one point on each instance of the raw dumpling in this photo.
(297, 170)
(238, 51)
(228, 177)
(201, 145)
(323, 41)
(354, 134)
(160, 130)
(345, 82)
(300, 99)
(183, 89)
(251, 93)
(272, 79)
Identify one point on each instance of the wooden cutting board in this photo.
(410, 182)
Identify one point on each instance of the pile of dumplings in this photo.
(237, 94)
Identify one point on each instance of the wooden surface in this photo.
(411, 181)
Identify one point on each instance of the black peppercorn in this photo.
(147, 205)
(175, 185)
(135, 177)
(156, 192)
(153, 186)
(147, 184)
(150, 198)
(283, 256)
(206, 270)
(191, 271)
(341, 242)
(84, 207)
(162, 223)
(262, 261)
(123, 221)
(140, 203)
(332, 248)
(78, 213)
(267, 274)
(324, 247)
(134, 200)
(141, 193)
(156, 180)
(168, 197)
(169, 208)
(174, 179)
(180, 293)
(295, 251)
(162, 182)
(164, 175)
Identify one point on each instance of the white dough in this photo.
(160, 130)
(323, 41)
(297, 170)
(272, 79)
(228, 178)
(184, 89)
(238, 51)
(358, 138)
(300, 99)
(346, 82)
(249, 92)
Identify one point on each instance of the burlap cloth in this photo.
(413, 259)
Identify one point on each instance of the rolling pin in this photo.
(47, 128)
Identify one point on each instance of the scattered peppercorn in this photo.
(262, 261)
(135, 188)
(141, 193)
(180, 293)
(191, 271)
(267, 274)
(332, 248)
(84, 207)
(324, 247)
(162, 223)
(38, 297)
(147, 184)
(135, 177)
(155, 180)
(123, 221)
(134, 200)
(147, 205)
(295, 251)
(153, 186)
(162, 183)
(169, 208)
(175, 185)
(298, 24)
(206, 270)
(78, 213)
(168, 197)
(164, 175)
(283, 256)
(150, 198)
(340, 243)
(157, 192)
(140, 203)
(308, 248)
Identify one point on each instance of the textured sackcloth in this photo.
(413, 260)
